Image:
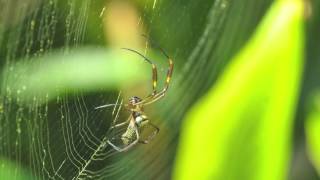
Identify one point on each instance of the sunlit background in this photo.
(243, 101)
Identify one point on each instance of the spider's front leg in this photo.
(162, 93)
(154, 72)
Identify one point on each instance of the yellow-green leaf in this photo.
(241, 129)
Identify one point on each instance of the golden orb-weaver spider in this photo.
(137, 118)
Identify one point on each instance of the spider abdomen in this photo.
(140, 120)
(128, 136)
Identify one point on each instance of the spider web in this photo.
(65, 138)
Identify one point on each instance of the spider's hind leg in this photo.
(127, 147)
(150, 137)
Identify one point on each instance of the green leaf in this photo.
(241, 129)
(86, 69)
(8, 170)
(312, 126)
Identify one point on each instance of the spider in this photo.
(135, 105)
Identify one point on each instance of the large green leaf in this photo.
(242, 128)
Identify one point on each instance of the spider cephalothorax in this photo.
(134, 99)
(134, 104)
(137, 119)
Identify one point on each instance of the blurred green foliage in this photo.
(242, 128)
(8, 170)
(312, 126)
(86, 69)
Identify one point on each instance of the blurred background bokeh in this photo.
(62, 58)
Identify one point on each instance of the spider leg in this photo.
(128, 146)
(170, 69)
(161, 94)
(151, 137)
(154, 96)
(106, 105)
(120, 124)
(154, 71)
